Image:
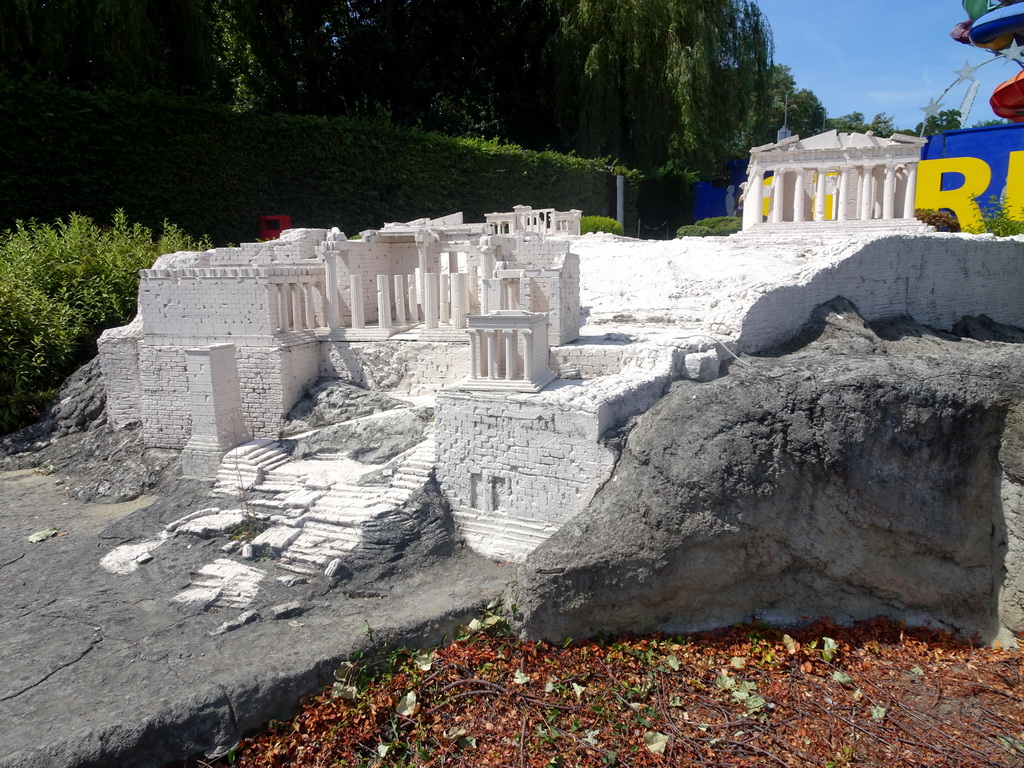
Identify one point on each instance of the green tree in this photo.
(656, 82)
(128, 45)
(991, 123)
(804, 114)
(881, 124)
(946, 120)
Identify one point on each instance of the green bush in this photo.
(694, 230)
(715, 226)
(1001, 220)
(61, 285)
(722, 225)
(607, 224)
(38, 337)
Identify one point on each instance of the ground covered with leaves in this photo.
(877, 693)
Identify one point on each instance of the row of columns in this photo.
(445, 301)
(874, 198)
(488, 347)
(296, 307)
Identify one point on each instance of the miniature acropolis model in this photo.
(484, 321)
(833, 179)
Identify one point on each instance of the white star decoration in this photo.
(932, 110)
(1013, 52)
(967, 73)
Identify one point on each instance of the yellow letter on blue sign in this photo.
(961, 201)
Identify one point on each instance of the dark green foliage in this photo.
(60, 285)
(38, 336)
(660, 82)
(693, 230)
(716, 226)
(115, 44)
(797, 108)
(215, 171)
(600, 224)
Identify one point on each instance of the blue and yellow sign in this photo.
(971, 170)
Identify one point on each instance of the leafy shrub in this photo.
(61, 285)
(694, 230)
(1001, 220)
(38, 336)
(942, 220)
(607, 224)
(715, 226)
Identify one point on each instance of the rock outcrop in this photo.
(860, 470)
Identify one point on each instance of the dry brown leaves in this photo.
(876, 694)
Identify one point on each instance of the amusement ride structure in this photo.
(997, 26)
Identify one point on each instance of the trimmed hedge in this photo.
(607, 224)
(716, 226)
(214, 171)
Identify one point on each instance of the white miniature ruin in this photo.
(833, 179)
(488, 327)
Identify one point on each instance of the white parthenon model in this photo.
(833, 179)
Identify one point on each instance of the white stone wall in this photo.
(515, 468)
(166, 407)
(272, 380)
(935, 278)
(559, 297)
(200, 306)
(419, 368)
(119, 361)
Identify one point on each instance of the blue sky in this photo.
(872, 56)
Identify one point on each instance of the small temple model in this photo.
(833, 179)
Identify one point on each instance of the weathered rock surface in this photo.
(334, 402)
(860, 471)
(373, 439)
(102, 670)
(75, 441)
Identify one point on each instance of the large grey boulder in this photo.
(860, 471)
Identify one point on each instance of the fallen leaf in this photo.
(842, 678)
(656, 742)
(38, 536)
(407, 705)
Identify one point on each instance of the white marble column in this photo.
(819, 196)
(799, 196)
(331, 288)
(776, 214)
(867, 202)
(530, 368)
(458, 283)
(492, 353)
(474, 354)
(400, 316)
(845, 174)
(414, 308)
(384, 303)
(444, 298)
(356, 301)
(909, 200)
(511, 355)
(889, 193)
(430, 308)
(752, 200)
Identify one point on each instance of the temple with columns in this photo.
(833, 179)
